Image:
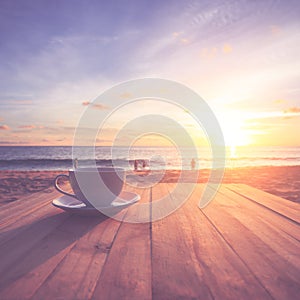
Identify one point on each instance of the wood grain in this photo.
(281, 206)
(243, 245)
(127, 271)
(176, 274)
(278, 275)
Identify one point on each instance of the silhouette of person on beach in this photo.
(135, 165)
(75, 163)
(144, 164)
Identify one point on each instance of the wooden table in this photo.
(243, 245)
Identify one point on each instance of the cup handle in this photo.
(58, 188)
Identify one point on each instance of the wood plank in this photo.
(30, 209)
(27, 207)
(13, 229)
(176, 273)
(15, 213)
(285, 207)
(140, 212)
(224, 272)
(162, 204)
(23, 243)
(42, 245)
(23, 202)
(276, 226)
(233, 249)
(29, 201)
(44, 270)
(265, 263)
(76, 275)
(127, 271)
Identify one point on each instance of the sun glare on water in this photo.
(232, 151)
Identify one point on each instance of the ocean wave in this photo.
(60, 164)
(267, 158)
(62, 161)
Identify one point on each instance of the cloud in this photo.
(289, 117)
(272, 117)
(99, 106)
(208, 53)
(23, 102)
(27, 126)
(212, 52)
(4, 127)
(178, 37)
(227, 48)
(16, 102)
(184, 41)
(292, 110)
(275, 30)
(177, 33)
(31, 126)
(279, 101)
(7, 142)
(126, 95)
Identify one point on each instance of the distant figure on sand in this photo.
(140, 164)
(144, 164)
(75, 163)
(135, 165)
(193, 164)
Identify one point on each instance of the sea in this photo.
(60, 157)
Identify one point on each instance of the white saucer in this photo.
(74, 205)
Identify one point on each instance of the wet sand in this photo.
(281, 181)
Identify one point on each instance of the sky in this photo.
(241, 57)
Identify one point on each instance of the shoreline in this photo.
(283, 181)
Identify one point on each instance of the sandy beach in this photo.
(281, 181)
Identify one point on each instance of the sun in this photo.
(235, 136)
(234, 131)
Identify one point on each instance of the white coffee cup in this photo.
(98, 186)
